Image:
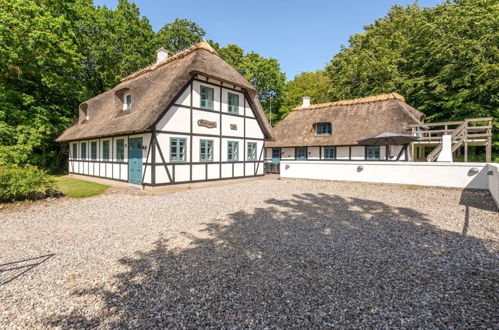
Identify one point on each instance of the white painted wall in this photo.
(359, 153)
(253, 129)
(228, 120)
(313, 153)
(287, 153)
(342, 152)
(177, 119)
(493, 181)
(410, 173)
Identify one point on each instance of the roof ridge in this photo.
(203, 44)
(367, 99)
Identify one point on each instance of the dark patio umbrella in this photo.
(385, 139)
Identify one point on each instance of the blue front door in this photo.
(276, 155)
(135, 160)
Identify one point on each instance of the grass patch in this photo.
(78, 188)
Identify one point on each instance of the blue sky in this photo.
(302, 34)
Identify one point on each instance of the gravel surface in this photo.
(262, 254)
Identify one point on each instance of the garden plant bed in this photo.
(269, 253)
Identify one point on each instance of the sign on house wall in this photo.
(207, 123)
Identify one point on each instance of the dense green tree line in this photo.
(56, 54)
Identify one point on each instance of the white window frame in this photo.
(127, 107)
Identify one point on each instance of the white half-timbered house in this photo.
(186, 118)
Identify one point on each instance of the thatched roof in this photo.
(351, 120)
(153, 89)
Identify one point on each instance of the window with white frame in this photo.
(85, 114)
(323, 129)
(127, 102)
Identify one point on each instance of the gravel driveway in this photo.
(275, 254)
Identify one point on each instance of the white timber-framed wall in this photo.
(184, 118)
(346, 153)
(112, 168)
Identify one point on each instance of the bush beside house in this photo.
(29, 182)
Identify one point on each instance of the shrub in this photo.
(29, 182)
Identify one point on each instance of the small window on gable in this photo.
(207, 95)
(233, 103)
(127, 102)
(323, 129)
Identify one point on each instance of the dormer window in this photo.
(323, 129)
(127, 102)
(83, 113)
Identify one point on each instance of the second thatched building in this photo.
(331, 131)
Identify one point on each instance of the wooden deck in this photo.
(469, 132)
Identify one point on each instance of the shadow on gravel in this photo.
(309, 261)
(480, 199)
(11, 270)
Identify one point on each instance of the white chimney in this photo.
(161, 55)
(306, 102)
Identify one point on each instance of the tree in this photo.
(39, 85)
(263, 73)
(232, 54)
(113, 43)
(313, 84)
(179, 35)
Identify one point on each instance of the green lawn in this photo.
(78, 188)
